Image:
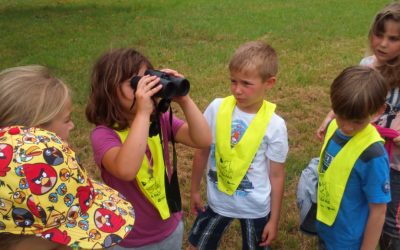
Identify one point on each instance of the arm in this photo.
(277, 179)
(397, 141)
(373, 229)
(199, 164)
(322, 128)
(195, 132)
(124, 162)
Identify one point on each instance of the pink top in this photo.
(388, 134)
(149, 227)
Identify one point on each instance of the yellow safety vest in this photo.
(233, 162)
(152, 184)
(332, 182)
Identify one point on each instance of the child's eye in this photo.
(68, 119)
(247, 83)
(394, 38)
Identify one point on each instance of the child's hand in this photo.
(322, 129)
(397, 141)
(321, 132)
(269, 234)
(146, 88)
(182, 100)
(178, 99)
(172, 72)
(196, 203)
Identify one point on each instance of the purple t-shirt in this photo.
(149, 227)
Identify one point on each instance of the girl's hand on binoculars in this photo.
(172, 72)
(181, 100)
(146, 88)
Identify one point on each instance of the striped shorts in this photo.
(209, 226)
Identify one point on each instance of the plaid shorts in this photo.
(390, 238)
(209, 226)
(387, 242)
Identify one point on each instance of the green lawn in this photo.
(314, 39)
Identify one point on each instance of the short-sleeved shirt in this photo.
(391, 116)
(252, 197)
(149, 227)
(368, 183)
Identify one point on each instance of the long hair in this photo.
(110, 70)
(391, 69)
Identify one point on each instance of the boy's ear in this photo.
(270, 82)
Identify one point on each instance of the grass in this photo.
(315, 40)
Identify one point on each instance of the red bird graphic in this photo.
(41, 177)
(107, 221)
(6, 153)
(55, 235)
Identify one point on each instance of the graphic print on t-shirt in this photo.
(238, 129)
(326, 162)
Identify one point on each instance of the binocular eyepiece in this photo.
(171, 86)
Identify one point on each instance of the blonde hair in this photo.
(255, 56)
(30, 96)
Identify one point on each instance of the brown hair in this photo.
(255, 56)
(110, 70)
(358, 92)
(30, 96)
(391, 69)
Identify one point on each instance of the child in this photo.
(384, 41)
(46, 199)
(353, 185)
(32, 97)
(245, 163)
(130, 159)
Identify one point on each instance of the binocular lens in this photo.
(183, 87)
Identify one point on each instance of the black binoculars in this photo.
(171, 86)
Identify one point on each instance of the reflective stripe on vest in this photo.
(332, 182)
(152, 184)
(232, 162)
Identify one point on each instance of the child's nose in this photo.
(384, 42)
(72, 125)
(237, 89)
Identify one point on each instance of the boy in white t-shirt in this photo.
(245, 163)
